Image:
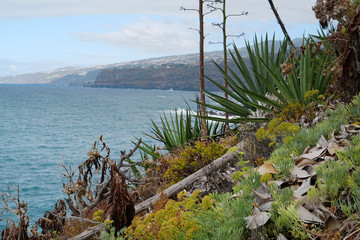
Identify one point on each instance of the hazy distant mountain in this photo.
(166, 76)
(85, 75)
(176, 72)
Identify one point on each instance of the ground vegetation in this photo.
(288, 169)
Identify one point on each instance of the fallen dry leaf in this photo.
(312, 155)
(299, 173)
(308, 217)
(267, 168)
(309, 169)
(322, 142)
(281, 237)
(262, 194)
(331, 225)
(266, 207)
(276, 182)
(303, 162)
(352, 128)
(257, 220)
(305, 186)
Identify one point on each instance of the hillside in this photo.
(179, 72)
(84, 75)
(166, 76)
(160, 73)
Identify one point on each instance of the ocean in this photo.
(44, 126)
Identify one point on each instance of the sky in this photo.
(43, 35)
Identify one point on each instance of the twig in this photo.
(281, 24)
(78, 218)
(123, 156)
(70, 174)
(20, 213)
(106, 183)
(347, 236)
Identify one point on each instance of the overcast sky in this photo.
(39, 35)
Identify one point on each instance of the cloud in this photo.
(290, 11)
(155, 36)
(13, 68)
(96, 56)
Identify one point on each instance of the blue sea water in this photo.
(43, 126)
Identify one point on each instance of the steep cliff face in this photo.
(166, 76)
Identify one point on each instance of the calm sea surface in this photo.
(43, 126)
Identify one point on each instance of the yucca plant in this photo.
(307, 72)
(247, 79)
(268, 55)
(178, 130)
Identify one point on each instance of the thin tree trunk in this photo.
(281, 24)
(204, 132)
(225, 57)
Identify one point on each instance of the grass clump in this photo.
(333, 174)
(175, 221)
(276, 129)
(192, 159)
(225, 220)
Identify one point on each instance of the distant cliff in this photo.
(165, 76)
(176, 72)
(78, 79)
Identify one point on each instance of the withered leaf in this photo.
(334, 146)
(267, 168)
(312, 155)
(305, 186)
(257, 220)
(307, 216)
(299, 173)
(309, 169)
(352, 128)
(262, 193)
(266, 207)
(322, 142)
(281, 237)
(276, 182)
(303, 162)
(331, 225)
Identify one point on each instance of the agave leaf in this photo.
(134, 170)
(224, 109)
(249, 88)
(234, 120)
(176, 130)
(238, 94)
(148, 149)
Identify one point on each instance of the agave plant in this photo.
(260, 53)
(250, 93)
(180, 129)
(268, 55)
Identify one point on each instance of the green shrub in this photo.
(192, 159)
(352, 153)
(225, 220)
(175, 221)
(248, 182)
(289, 222)
(277, 128)
(334, 175)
